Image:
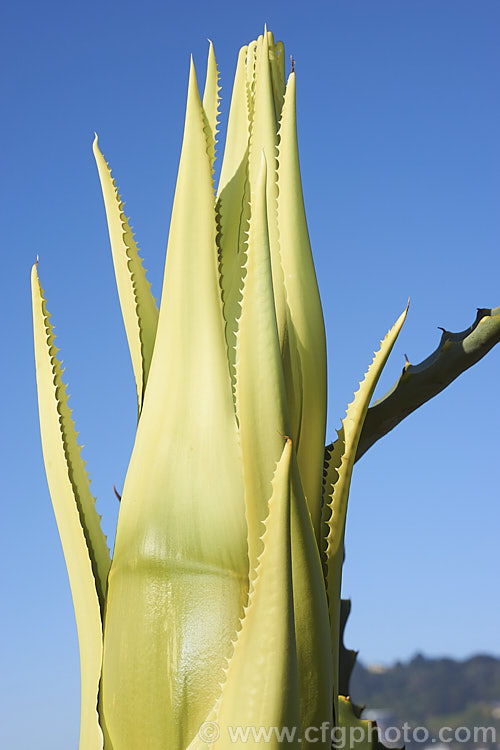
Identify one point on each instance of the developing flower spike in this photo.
(221, 602)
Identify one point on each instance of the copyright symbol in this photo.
(209, 732)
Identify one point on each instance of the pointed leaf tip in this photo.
(337, 477)
(140, 314)
(84, 544)
(192, 83)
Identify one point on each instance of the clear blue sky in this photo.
(398, 109)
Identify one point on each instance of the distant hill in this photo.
(434, 693)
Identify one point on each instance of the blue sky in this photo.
(398, 113)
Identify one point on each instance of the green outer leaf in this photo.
(84, 545)
(417, 384)
(211, 102)
(139, 311)
(338, 471)
(180, 556)
(347, 657)
(305, 356)
(359, 733)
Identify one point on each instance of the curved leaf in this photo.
(264, 138)
(233, 209)
(180, 556)
(84, 545)
(352, 731)
(139, 311)
(260, 389)
(305, 355)
(338, 470)
(312, 624)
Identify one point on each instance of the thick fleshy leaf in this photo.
(347, 656)
(233, 208)
(236, 146)
(310, 605)
(211, 103)
(338, 471)
(276, 53)
(179, 578)
(277, 59)
(261, 686)
(352, 731)
(304, 348)
(266, 681)
(251, 59)
(84, 545)
(264, 138)
(139, 311)
(260, 388)
(263, 419)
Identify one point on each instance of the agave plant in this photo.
(220, 607)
